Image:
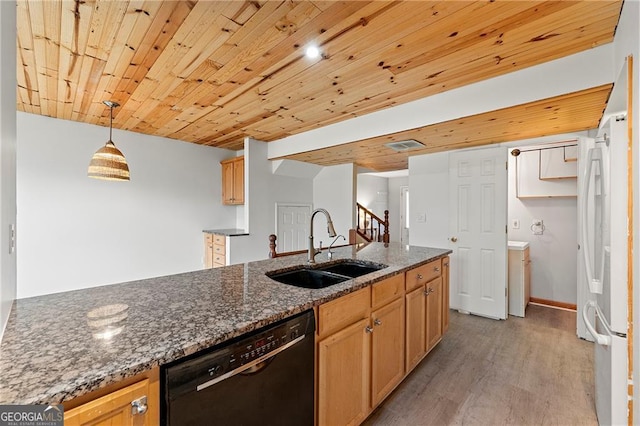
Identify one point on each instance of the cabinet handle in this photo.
(377, 322)
(428, 291)
(139, 406)
(436, 269)
(446, 265)
(419, 276)
(368, 329)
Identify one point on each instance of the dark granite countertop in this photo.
(57, 347)
(230, 232)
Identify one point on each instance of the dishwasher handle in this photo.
(249, 365)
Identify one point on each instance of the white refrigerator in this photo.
(604, 250)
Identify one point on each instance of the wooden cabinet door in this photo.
(112, 409)
(434, 312)
(344, 376)
(238, 181)
(445, 295)
(208, 251)
(227, 182)
(387, 350)
(415, 332)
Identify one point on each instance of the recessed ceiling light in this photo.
(312, 52)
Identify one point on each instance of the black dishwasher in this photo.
(262, 378)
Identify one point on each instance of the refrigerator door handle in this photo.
(595, 283)
(601, 339)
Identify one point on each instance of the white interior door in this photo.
(404, 215)
(292, 227)
(478, 233)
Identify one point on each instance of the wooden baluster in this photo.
(385, 236)
(272, 246)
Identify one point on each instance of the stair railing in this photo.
(371, 227)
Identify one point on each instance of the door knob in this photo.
(454, 239)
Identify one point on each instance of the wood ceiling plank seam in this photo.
(203, 49)
(116, 23)
(279, 68)
(465, 76)
(162, 65)
(328, 23)
(243, 39)
(36, 16)
(66, 87)
(164, 75)
(248, 9)
(83, 18)
(91, 105)
(168, 20)
(161, 106)
(440, 24)
(133, 27)
(355, 101)
(358, 28)
(84, 94)
(52, 18)
(26, 74)
(461, 61)
(493, 29)
(261, 39)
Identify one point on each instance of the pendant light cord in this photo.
(110, 123)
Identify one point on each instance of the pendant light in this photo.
(108, 163)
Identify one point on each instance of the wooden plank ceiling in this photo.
(213, 72)
(562, 114)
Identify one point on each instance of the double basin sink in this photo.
(324, 275)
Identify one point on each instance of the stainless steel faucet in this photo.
(329, 252)
(332, 233)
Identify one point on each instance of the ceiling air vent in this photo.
(405, 145)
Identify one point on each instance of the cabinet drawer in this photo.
(219, 260)
(218, 249)
(341, 312)
(208, 239)
(387, 291)
(423, 274)
(219, 239)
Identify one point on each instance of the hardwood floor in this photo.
(523, 371)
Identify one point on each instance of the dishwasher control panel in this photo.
(256, 346)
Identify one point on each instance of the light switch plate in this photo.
(422, 217)
(515, 224)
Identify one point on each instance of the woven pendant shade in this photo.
(108, 162)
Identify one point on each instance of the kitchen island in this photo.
(60, 346)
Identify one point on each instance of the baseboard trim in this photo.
(553, 303)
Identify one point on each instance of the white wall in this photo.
(373, 193)
(395, 222)
(334, 189)
(627, 42)
(77, 232)
(7, 157)
(263, 190)
(553, 254)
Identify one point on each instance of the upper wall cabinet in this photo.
(547, 172)
(233, 181)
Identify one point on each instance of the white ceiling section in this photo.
(590, 68)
